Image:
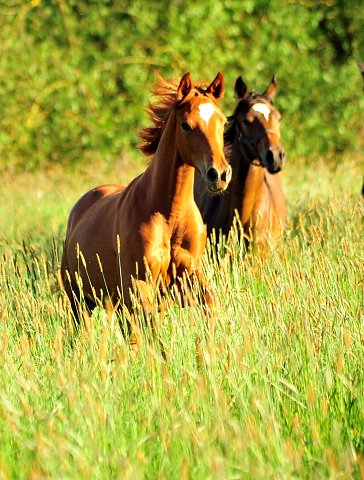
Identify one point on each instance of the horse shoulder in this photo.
(271, 215)
(188, 241)
(278, 199)
(154, 244)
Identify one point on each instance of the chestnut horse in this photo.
(254, 151)
(123, 240)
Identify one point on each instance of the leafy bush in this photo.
(76, 74)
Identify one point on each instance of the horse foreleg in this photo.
(144, 297)
(193, 289)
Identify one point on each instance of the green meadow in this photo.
(276, 392)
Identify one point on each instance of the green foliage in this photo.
(75, 75)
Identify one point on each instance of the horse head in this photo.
(257, 123)
(200, 129)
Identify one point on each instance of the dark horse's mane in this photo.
(159, 112)
(230, 132)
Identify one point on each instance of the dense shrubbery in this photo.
(75, 74)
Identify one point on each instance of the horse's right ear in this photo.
(217, 86)
(185, 86)
(272, 88)
(241, 90)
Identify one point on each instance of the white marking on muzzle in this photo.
(262, 108)
(206, 111)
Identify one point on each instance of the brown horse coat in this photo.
(254, 151)
(118, 238)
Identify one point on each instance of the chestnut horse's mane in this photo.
(159, 112)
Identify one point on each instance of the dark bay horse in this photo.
(255, 194)
(121, 240)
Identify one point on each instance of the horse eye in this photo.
(246, 122)
(186, 127)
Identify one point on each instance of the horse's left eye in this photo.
(246, 122)
(186, 127)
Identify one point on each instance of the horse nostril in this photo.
(270, 157)
(212, 175)
(226, 176)
(282, 155)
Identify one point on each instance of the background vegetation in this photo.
(75, 74)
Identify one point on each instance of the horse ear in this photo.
(241, 90)
(272, 88)
(185, 86)
(217, 87)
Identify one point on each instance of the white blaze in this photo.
(206, 111)
(262, 108)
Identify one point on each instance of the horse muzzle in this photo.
(215, 181)
(274, 159)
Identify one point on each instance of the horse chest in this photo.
(170, 251)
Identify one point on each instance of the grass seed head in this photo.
(99, 262)
(83, 260)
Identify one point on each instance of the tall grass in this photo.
(277, 392)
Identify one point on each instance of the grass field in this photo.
(277, 393)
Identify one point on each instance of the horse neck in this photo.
(170, 180)
(248, 180)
